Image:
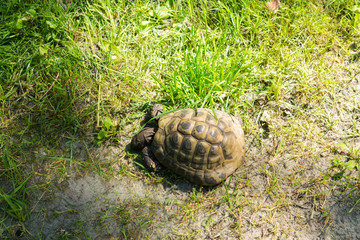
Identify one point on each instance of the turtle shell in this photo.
(203, 147)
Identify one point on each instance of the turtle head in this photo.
(156, 110)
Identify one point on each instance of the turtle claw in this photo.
(150, 163)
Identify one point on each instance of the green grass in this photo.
(88, 71)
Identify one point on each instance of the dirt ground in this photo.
(81, 203)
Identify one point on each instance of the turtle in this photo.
(202, 145)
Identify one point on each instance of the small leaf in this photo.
(43, 50)
(163, 13)
(342, 146)
(337, 162)
(32, 12)
(160, 13)
(51, 25)
(19, 24)
(350, 164)
(101, 135)
(107, 123)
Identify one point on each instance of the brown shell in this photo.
(198, 146)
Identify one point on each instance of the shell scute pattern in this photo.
(186, 126)
(210, 119)
(215, 154)
(214, 135)
(228, 145)
(198, 146)
(185, 113)
(200, 130)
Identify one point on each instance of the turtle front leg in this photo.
(143, 138)
(149, 159)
